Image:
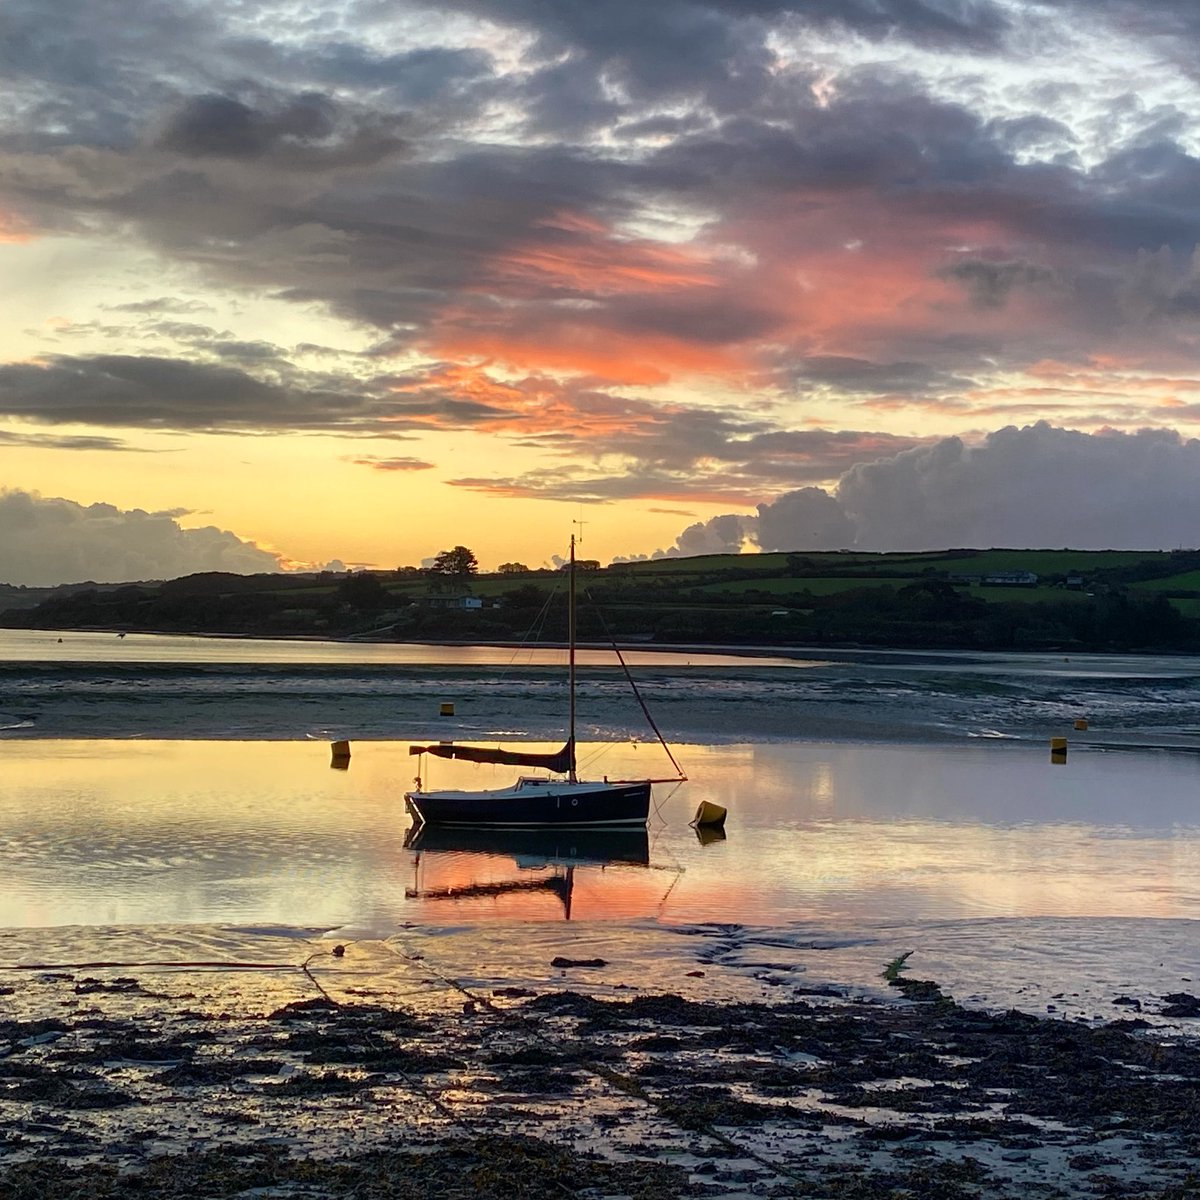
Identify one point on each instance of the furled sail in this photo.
(560, 760)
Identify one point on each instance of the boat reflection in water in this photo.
(534, 874)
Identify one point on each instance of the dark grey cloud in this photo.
(422, 194)
(398, 219)
(668, 454)
(1161, 284)
(160, 304)
(124, 390)
(45, 541)
(1036, 486)
(224, 127)
(162, 393)
(850, 374)
(806, 519)
(715, 47)
(990, 283)
(307, 131)
(433, 76)
(54, 441)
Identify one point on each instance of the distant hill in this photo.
(997, 598)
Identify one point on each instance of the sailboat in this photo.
(536, 802)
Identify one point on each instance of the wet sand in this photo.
(398, 1068)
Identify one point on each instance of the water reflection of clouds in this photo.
(147, 832)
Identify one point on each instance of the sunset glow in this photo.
(487, 264)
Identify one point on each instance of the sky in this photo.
(286, 286)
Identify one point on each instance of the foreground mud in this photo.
(172, 1084)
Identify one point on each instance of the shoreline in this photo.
(845, 653)
(392, 1064)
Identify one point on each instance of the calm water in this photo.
(836, 835)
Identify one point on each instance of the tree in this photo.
(513, 568)
(362, 591)
(459, 563)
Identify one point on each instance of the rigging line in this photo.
(658, 804)
(599, 750)
(534, 633)
(634, 686)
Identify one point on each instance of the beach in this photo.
(227, 967)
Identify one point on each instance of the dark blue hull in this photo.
(567, 847)
(538, 805)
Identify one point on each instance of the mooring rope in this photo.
(618, 1079)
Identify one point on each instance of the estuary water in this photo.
(142, 685)
(182, 790)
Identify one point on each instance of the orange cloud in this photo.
(536, 404)
(571, 347)
(611, 268)
(515, 312)
(589, 257)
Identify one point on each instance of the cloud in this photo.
(474, 205)
(155, 392)
(806, 519)
(574, 224)
(160, 304)
(76, 441)
(308, 131)
(393, 464)
(1029, 487)
(725, 534)
(990, 283)
(46, 541)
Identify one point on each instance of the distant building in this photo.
(460, 602)
(1011, 579)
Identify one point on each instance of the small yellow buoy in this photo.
(1081, 724)
(340, 755)
(709, 816)
(1058, 743)
(447, 709)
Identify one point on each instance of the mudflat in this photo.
(316, 1079)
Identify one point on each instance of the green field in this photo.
(1041, 562)
(1188, 581)
(1028, 595)
(818, 585)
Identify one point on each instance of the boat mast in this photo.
(571, 657)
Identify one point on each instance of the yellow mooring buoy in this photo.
(1081, 724)
(709, 816)
(1058, 749)
(447, 709)
(339, 755)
